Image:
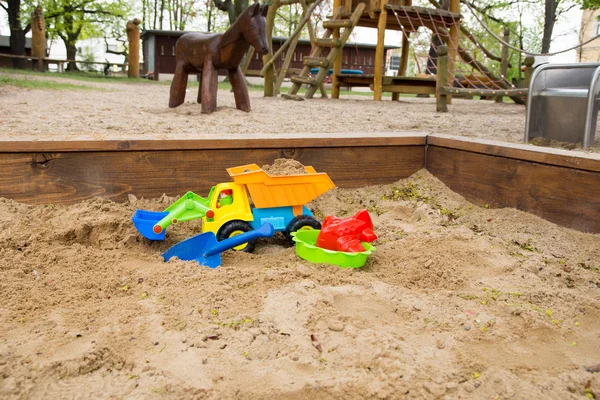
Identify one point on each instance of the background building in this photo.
(158, 48)
(5, 49)
(590, 27)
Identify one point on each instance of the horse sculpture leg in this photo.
(199, 88)
(178, 86)
(209, 86)
(240, 90)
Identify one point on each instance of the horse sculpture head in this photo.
(254, 27)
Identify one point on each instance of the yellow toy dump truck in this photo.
(227, 211)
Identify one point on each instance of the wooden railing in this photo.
(60, 64)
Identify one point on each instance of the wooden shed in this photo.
(158, 47)
(5, 49)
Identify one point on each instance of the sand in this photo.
(457, 302)
(285, 166)
(137, 111)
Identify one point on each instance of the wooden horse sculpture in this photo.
(206, 53)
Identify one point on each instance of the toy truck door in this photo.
(229, 202)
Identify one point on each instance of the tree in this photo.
(233, 8)
(150, 13)
(554, 9)
(549, 11)
(74, 21)
(181, 12)
(287, 19)
(18, 13)
(210, 15)
(117, 33)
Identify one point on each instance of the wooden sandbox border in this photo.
(558, 185)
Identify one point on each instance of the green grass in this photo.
(19, 78)
(23, 82)
(77, 75)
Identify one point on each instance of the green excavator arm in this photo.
(189, 207)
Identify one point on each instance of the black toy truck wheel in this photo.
(234, 228)
(299, 223)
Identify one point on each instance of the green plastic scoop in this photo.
(307, 250)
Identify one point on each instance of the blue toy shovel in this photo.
(206, 250)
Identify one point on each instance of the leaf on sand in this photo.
(316, 343)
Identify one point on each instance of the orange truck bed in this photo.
(280, 190)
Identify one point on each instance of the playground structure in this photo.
(464, 74)
(227, 212)
(460, 73)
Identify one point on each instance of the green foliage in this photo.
(590, 4)
(88, 55)
(287, 19)
(74, 21)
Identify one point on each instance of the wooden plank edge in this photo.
(232, 142)
(524, 152)
(485, 92)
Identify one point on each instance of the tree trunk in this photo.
(144, 13)
(549, 21)
(71, 54)
(162, 10)
(436, 42)
(209, 19)
(238, 8)
(155, 13)
(17, 35)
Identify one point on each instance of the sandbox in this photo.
(469, 295)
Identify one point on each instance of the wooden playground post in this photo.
(269, 90)
(442, 79)
(337, 63)
(133, 60)
(404, 52)
(290, 40)
(379, 52)
(286, 63)
(313, 37)
(504, 62)
(246, 60)
(453, 44)
(38, 38)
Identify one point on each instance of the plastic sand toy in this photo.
(206, 250)
(307, 249)
(252, 199)
(348, 233)
(342, 242)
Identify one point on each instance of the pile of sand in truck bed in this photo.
(457, 302)
(284, 166)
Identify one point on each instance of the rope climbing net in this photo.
(427, 30)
